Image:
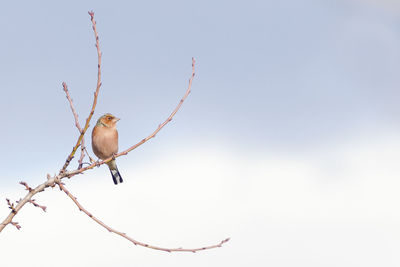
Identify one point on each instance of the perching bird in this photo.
(105, 142)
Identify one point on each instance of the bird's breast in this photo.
(104, 142)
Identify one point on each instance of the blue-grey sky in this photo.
(292, 125)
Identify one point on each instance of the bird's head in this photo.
(107, 120)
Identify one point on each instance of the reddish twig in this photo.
(80, 161)
(90, 158)
(10, 205)
(15, 209)
(32, 201)
(26, 186)
(16, 225)
(37, 205)
(51, 181)
(78, 126)
(96, 93)
(169, 117)
(124, 235)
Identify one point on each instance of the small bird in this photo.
(105, 142)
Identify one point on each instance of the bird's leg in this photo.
(98, 163)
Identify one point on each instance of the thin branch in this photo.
(168, 119)
(16, 224)
(51, 181)
(96, 93)
(26, 186)
(37, 205)
(78, 126)
(71, 104)
(152, 135)
(80, 161)
(15, 209)
(10, 205)
(124, 235)
(90, 158)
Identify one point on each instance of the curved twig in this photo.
(135, 242)
(50, 182)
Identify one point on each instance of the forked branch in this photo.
(78, 126)
(96, 94)
(56, 179)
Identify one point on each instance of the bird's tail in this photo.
(114, 172)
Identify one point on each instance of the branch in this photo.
(16, 224)
(80, 161)
(56, 179)
(51, 181)
(71, 104)
(26, 186)
(96, 93)
(78, 126)
(10, 205)
(37, 205)
(152, 135)
(167, 120)
(135, 242)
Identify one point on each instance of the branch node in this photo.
(26, 186)
(11, 206)
(16, 224)
(32, 201)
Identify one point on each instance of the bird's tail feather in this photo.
(116, 176)
(114, 172)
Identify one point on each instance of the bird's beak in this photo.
(116, 119)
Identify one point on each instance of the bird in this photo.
(105, 142)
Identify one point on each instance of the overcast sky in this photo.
(289, 142)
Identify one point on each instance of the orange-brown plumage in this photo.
(105, 142)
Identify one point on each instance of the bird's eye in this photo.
(109, 118)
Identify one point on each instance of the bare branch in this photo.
(51, 181)
(71, 104)
(15, 209)
(80, 161)
(168, 119)
(37, 205)
(124, 235)
(10, 205)
(26, 186)
(96, 93)
(90, 158)
(32, 201)
(16, 225)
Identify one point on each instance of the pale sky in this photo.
(288, 144)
